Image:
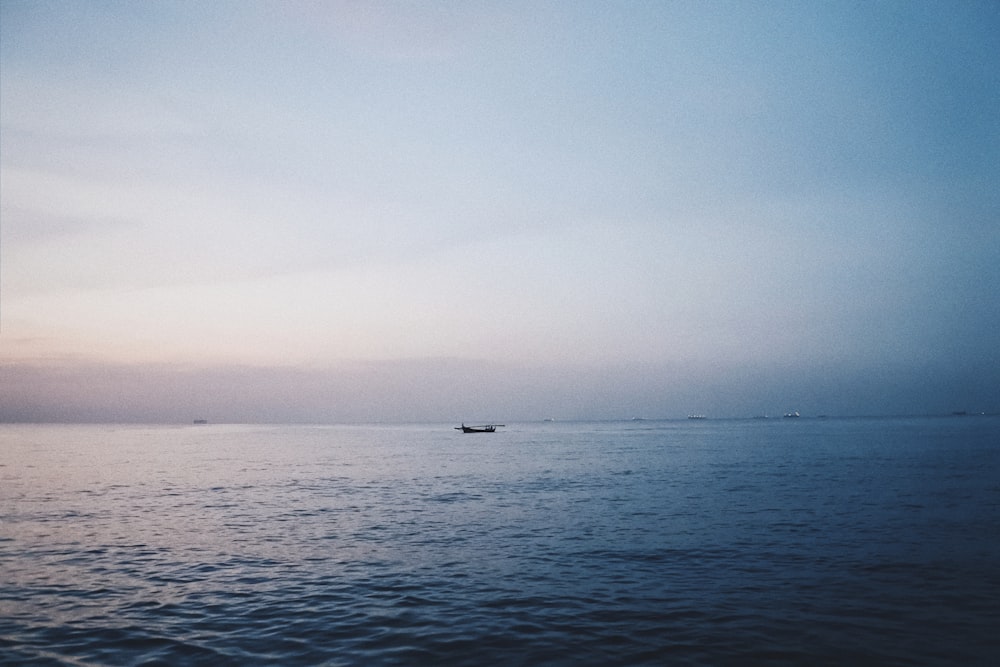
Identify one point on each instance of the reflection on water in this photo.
(707, 542)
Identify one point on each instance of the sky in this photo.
(309, 211)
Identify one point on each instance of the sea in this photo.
(839, 541)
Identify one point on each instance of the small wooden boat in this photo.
(485, 428)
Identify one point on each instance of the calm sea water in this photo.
(840, 541)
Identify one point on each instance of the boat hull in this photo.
(488, 428)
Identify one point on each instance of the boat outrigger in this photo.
(485, 428)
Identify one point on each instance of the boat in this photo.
(697, 417)
(791, 415)
(485, 428)
(200, 421)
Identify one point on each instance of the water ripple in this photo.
(582, 545)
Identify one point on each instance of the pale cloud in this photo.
(72, 111)
(430, 32)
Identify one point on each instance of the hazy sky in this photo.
(325, 211)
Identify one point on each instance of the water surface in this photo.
(839, 541)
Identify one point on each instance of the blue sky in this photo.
(318, 211)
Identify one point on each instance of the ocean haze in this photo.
(464, 390)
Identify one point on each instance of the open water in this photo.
(800, 542)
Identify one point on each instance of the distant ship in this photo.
(791, 415)
(697, 417)
(200, 421)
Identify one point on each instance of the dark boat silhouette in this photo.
(485, 428)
